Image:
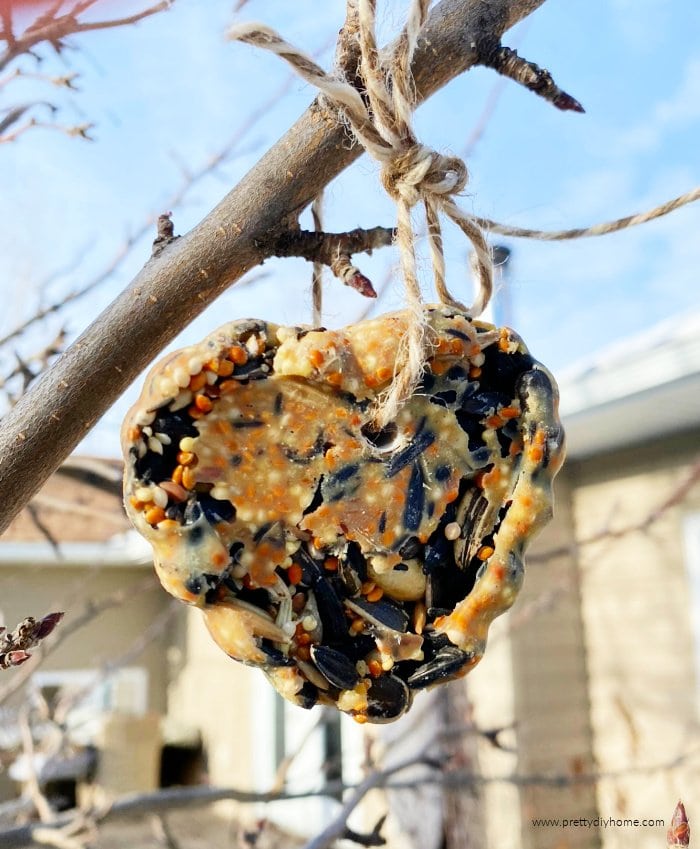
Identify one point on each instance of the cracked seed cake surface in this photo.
(354, 567)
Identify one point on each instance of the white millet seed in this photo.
(453, 531)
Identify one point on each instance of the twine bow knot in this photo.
(411, 172)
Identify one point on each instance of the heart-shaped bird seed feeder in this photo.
(354, 566)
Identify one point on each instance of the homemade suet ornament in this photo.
(353, 565)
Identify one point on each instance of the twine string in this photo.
(411, 173)
(597, 229)
(317, 273)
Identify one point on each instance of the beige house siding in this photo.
(213, 694)
(637, 615)
(34, 591)
(550, 687)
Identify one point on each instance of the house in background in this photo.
(596, 665)
(592, 676)
(135, 677)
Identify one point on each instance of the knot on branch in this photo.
(381, 118)
(419, 173)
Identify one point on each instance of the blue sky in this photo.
(168, 93)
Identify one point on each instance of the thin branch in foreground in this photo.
(506, 62)
(15, 645)
(335, 250)
(337, 828)
(91, 611)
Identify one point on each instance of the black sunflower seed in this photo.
(387, 698)
(382, 613)
(335, 666)
(446, 663)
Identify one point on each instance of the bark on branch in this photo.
(506, 62)
(187, 275)
(335, 250)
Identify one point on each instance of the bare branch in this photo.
(377, 778)
(190, 179)
(372, 838)
(54, 28)
(335, 250)
(75, 131)
(41, 526)
(92, 609)
(40, 802)
(677, 496)
(506, 61)
(28, 369)
(174, 287)
(15, 645)
(178, 798)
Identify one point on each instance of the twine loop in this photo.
(380, 117)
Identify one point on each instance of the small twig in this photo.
(677, 496)
(24, 368)
(60, 80)
(76, 131)
(61, 505)
(92, 610)
(372, 838)
(15, 645)
(14, 113)
(506, 62)
(165, 230)
(42, 528)
(335, 251)
(347, 51)
(40, 802)
(379, 778)
(163, 832)
(54, 28)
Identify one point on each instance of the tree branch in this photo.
(15, 645)
(335, 250)
(506, 61)
(53, 28)
(174, 287)
(178, 798)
